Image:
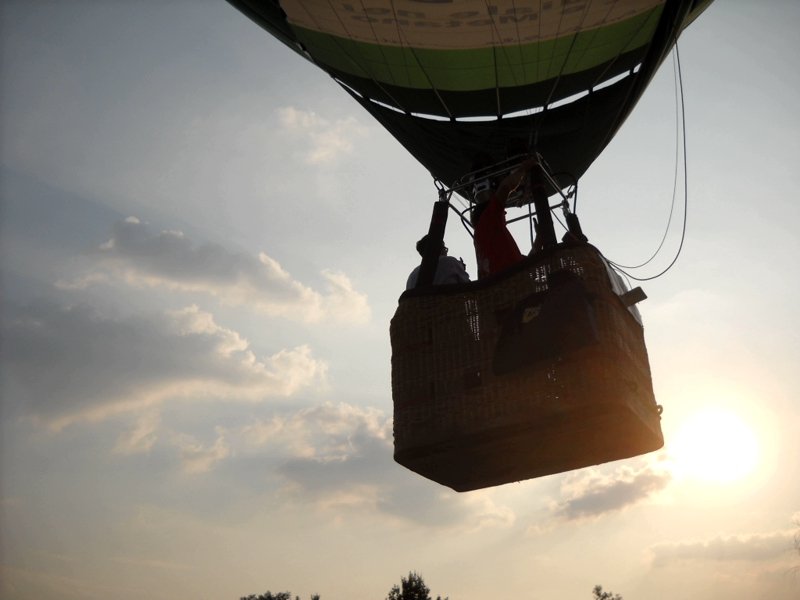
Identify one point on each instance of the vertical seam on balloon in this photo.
(594, 36)
(569, 53)
(422, 68)
(555, 45)
(519, 44)
(400, 35)
(377, 41)
(624, 49)
(539, 125)
(498, 42)
(335, 38)
(539, 44)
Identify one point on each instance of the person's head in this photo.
(427, 243)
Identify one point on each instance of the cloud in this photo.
(339, 458)
(589, 494)
(81, 283)
(62, 365)
(195, 457)
(328, 141)
(142, 436)
(753, 548)
(325, 432)
(170, 259)
(198, 458)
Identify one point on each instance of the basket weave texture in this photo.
(459, 423)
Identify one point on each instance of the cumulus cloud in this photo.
(752, 548)
(339, 457)
(590, 493)
(62, 365)
(169, 259)
(327, 140)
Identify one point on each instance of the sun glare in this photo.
(714, 445)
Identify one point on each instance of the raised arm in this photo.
(513, 179)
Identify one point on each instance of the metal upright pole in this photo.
(430, 260)
(545, 230)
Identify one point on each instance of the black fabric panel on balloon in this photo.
(569, 137)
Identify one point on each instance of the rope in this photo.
(631, 85)
(685, 184)
(674, 179)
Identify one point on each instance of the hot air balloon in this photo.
(542, 368)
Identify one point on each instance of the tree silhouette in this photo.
(411, 588)
(599, 594)
(797, 535)
(277, 596)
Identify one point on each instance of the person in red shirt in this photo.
(495, 248)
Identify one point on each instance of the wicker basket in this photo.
(538, 370)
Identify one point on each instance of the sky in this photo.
(203, 239)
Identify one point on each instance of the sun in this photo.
(714, 445)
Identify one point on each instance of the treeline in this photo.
(411, 588)
(278, 596)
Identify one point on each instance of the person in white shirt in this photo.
(449, 270)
